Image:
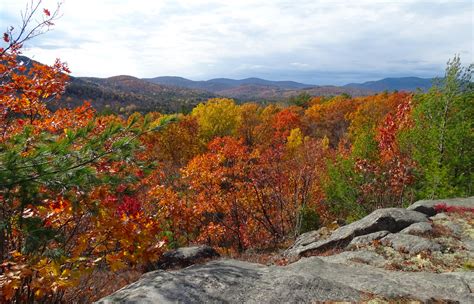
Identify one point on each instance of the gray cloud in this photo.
(321, 42)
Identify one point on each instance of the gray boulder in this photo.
(418, 228)
(185, 256)
(439, 217)
(409, 243)
(389, 219)
(306, 239)
(367, 239)
(455, 228)
(469, 244)
(428, 206)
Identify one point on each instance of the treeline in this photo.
(126, 95)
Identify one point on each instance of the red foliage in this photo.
(392, 124)
(285, 121)
(443, 207)
(129, 206)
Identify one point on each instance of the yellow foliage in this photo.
(217, 117)
(325, 142)
(295, 139)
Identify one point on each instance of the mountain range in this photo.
(219, 85)
(257, 89)
(177, 94)
(391, 84)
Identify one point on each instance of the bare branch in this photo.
(38, 26)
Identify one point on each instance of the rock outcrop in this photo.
(306, 281)
(185, 256)
(392, 254)
(410, 243)
(428, 206)
(389, 219)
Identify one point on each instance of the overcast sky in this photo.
(311, 41)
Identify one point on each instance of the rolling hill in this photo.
(258, 89)
(392, 84)
(177, 94)
(272, 93)
(220, 84)
(128, 94)
(125, 94)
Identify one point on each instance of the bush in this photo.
(309, 219)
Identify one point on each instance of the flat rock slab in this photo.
(307, 281)
(409, 243)
(231, 281)
(428, 206)
(389, 219)
(354, 257)
(391, 284)
(467, 276)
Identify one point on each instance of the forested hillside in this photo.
(85, 197)
(399, 84)
(256, 89)
(127, 94)
(123, 94)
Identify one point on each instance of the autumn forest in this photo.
(85, 196)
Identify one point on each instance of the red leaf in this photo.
(47, 12)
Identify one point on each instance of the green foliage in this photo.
(364, 144)
(309, 219)
(442, 138)
(341, 188)
(62, 163)
(300, 100)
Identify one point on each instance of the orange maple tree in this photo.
(70, 202)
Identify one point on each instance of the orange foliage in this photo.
(329, 119)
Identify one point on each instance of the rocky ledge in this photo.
(423, 253)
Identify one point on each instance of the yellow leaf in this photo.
(117, 265)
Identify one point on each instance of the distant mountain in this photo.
(392, 84)
(125, 94)
(272, 93)
(171, 93)
(256, 89)
(128, 94)
(174, 94)
(220, 84)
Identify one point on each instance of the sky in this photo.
(310, 41)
